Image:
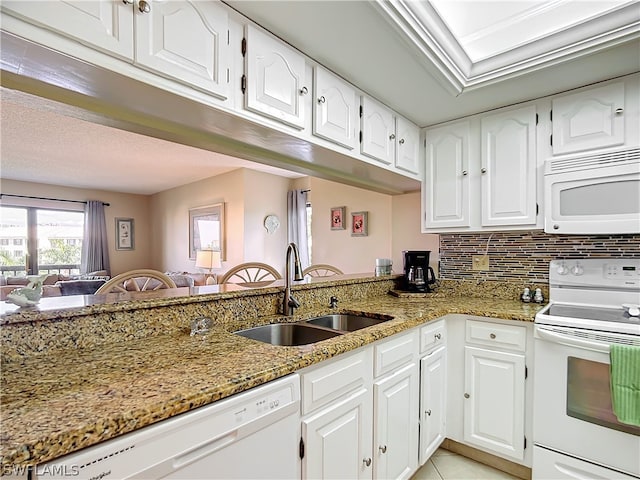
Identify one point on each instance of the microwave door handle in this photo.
(572, 341)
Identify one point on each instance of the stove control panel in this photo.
(596, 272)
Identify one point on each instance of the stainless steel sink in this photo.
(345, 322)
(288, 334)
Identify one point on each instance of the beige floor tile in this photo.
(457, 467)
(442, 451)
(427, 472)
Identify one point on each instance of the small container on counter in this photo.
(383, 266)
(526, 295)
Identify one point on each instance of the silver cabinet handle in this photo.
(466, 395)
(556, 226)
(619, 111)
(464, 172)
(401, 141)
(144, 6)
(367, 462)
(483, 170)
(438, 336)
(428, 412)
(383, 449)
(492, 336)
(392, 136)
(304, 91)
(322, 99)
(127, 2)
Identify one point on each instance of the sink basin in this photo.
(288, 334)
(346, 323)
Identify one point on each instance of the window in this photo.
(4, 241)
(309, 242)
(45, 235)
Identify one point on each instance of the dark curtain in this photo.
(95, 246)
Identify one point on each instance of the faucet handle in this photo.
(293, 303)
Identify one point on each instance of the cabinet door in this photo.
(199, 58)
(275, 78)
(338, 440)
(395, 442)
(446, 185)
(103, 24)
(408, 146)
(508, 168)
(494, 401)
(335, 109)
(433, 388)
(378, 131)
(589, 119)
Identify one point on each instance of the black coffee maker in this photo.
(418, 275)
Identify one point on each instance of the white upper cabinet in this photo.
(446, 186)
(104, 24)
(275, 78)
(199, 58)
(335, 109)
(148, 34)
(508, 167)
(378, 131)
(408, 146)
(589, 119)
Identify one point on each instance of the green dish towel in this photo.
(625, 383)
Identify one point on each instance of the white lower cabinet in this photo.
(433, 388)
(355, 426)
(395, 399)
(494, 388)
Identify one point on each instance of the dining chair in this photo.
(251, 274)
(137, 281)
(321, 270)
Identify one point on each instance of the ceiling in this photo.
(430, 61)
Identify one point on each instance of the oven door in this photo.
(593, 201)
(572, 398)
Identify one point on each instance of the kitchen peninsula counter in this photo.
(67, 399)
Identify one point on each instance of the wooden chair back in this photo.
(137, 281)
(321, 270)
(251, 274)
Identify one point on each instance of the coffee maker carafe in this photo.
(418, 275)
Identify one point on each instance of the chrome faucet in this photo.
(289, 304)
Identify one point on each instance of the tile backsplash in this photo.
(525, 256)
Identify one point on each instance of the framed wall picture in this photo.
(206, 229)
(359, 224)
(337, 218)
(125, 239)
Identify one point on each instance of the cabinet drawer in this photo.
(432, 335)
(333, 380)
(394, 353)
(512, 337)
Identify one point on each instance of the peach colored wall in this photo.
(170, 220)
(265, 194)
(338, 247)
(121, 205)
(405, 231)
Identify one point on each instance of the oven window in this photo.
(589, 394)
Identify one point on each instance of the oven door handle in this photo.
(572, 341)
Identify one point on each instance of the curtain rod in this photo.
(45, 198)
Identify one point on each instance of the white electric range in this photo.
(593, 303)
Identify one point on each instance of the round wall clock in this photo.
(271, 223)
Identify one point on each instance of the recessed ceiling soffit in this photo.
(422, 27)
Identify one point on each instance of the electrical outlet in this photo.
(480, 262)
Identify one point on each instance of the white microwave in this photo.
(593, 194)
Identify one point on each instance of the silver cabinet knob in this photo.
(304, 91)
(383, 448)
(464, 172)
(483, 170)
(466, 395)
(322, 99)
(428, 412)
(392, 136)
(619, 111)
(438, 336)
(367, 462)
(401, 141)
(556, 226)
(492, 336)
(144, 6)
(127, 2)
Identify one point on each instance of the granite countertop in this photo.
(58, 404)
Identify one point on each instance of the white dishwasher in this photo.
(254, 434)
